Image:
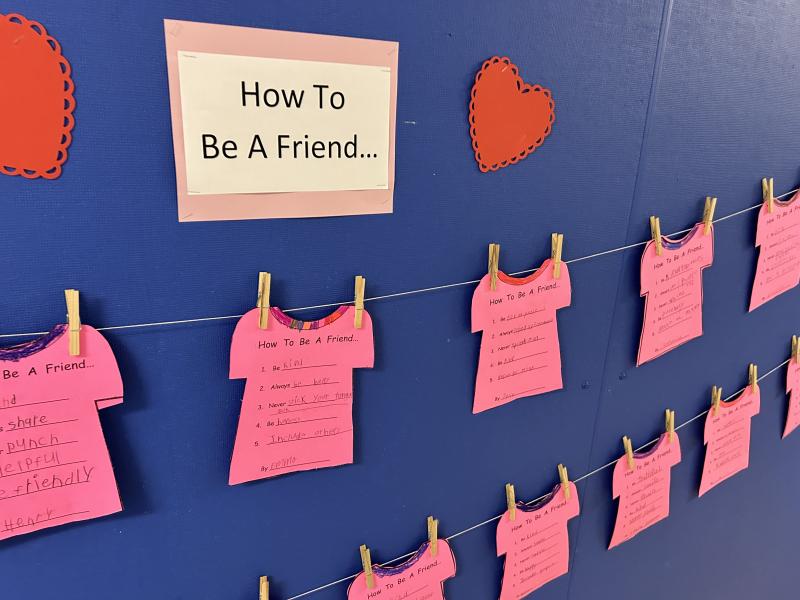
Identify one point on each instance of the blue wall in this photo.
(658, 103)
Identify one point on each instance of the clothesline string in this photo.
(434, 288)
(583, 477)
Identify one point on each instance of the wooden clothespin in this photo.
(511, 501)
(264, 280)
(494, 264)
(708, 214)
(361, 284)
(716, 398)
(556, 243)
(753, 377)
(564, 477)
(626, 443)
(795, 349)
(263, 588)
(655, 232)
(433, 535)
(366, 562)
(768, 193)
(73, 321)
(670, 424)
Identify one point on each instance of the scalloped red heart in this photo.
(37, 102)
(508, 118)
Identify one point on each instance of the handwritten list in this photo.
(727, 438)
(643, 490)
(672, 285)
(54, 463)
(297, 410)
(421, 577)
(536, 542)
(778, 237)
(520, 354)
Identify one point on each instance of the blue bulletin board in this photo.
(658, 104)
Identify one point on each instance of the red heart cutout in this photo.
(508, 118)
(36, 102)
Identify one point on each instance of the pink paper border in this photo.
(271, 43)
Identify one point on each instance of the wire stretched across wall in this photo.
(425, 290)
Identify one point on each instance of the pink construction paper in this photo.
(54, 463)
(536, 542)
(643, 491)
(672, 285)
(421, 577)
(520, 354)
(778, 237)
(727, 438)
(270, 43)
(793, 390)
(297, 411)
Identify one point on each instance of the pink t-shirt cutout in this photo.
(421, 577)
(672, 285)
(536, 542)
(778, 239)
(727, 438)
(54, 462)
(520, 354)
(793, 391)
(297, 410)
(643, 491)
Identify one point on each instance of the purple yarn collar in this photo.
(385, 571)
(26, 349)
(541, 503)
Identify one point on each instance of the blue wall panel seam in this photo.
(651, 101)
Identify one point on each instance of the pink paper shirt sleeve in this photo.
(755, 405)
(574, 505)
(241, 356)
(763, 226)
(646, 269)
(364, 352)
(562, 295)
(708, 249)
(480, 302)
(503, 534)
(709, 428)
(447, 559)
(673, 458)
(618, 481)
(108, 387)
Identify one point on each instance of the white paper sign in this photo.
(255, 125)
